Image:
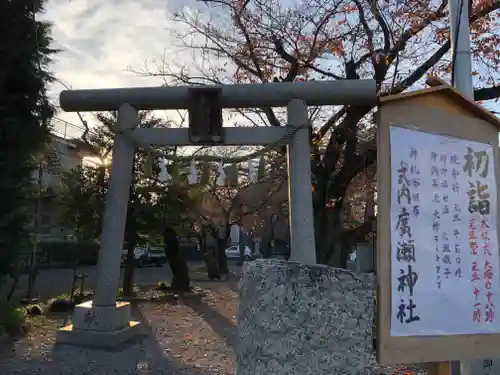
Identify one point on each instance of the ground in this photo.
(191, 335)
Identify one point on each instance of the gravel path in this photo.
(188, 337)
(191, 336)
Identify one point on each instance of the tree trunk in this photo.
(131, 238)
(209, 257)
(265, 248)
(32, 276)
(329, 221)
(221, 255)
(288, 248)
(328, 235)
(177, 263)
(222, 246)
(128, 276)
(16, 275)
(16, 271)
(221, 249)
(346, 248)
(241, 244)
(13, 287)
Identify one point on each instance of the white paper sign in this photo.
(444, 243)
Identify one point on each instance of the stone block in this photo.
(103, 326)
(100, 339)
(101, 318)
(298, 319)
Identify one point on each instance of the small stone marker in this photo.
(297, 319)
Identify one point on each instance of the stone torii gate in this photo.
(106, 322)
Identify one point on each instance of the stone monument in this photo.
(304, 319)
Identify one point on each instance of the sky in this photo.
(102, 40)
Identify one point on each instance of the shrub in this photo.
(12, 320)
(135, 291)
(14, 323)
(60, 305)
(162, 286)
(34, 310)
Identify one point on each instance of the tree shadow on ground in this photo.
(230, 280)
(221, 325)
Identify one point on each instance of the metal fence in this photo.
(66, 129)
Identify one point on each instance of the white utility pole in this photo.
(462, 68)
(460, 46)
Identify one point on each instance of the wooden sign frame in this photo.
(440, 113)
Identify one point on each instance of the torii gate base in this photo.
(100, 326)
(105, 322)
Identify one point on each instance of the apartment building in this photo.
(64, 153)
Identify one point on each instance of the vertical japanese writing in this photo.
(408, 206)
(476, 166)
(475, 278)
(488, 271)
(436, 216)
(456, 217)
(443, 237)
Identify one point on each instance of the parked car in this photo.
(145, 256)
(157, 256)
(233, 253)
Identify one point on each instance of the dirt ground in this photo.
(194, 334)
(190, 335)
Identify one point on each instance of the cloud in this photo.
(101, 39)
